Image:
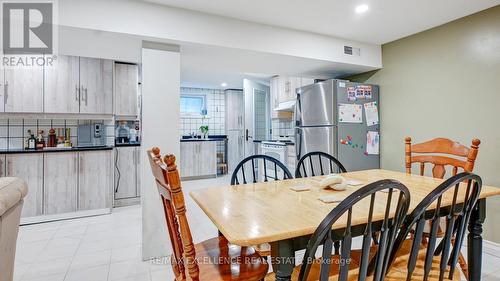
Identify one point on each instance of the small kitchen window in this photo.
(193, 105)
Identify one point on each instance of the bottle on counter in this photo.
(31, 143)
(40, 142)
(52, 140)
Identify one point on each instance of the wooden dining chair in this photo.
(388, 196)
(270, 168)
(440, 153)
(213, 259)
(318, 163)
(410, 259)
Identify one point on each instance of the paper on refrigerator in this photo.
(371, 113)
(350, 113)
(372, 142)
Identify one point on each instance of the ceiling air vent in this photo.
(348, 50)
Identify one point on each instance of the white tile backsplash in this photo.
(216, 102)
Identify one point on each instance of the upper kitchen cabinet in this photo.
(126, 89)
(23, 90)
(62, 86)
(283, 94)
(96, 86)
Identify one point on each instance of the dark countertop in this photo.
(127, 144)
(49, 150)
(210, 138)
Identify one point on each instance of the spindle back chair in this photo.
(318, 160)
(371, 195)
(443, 256)
(248, 170)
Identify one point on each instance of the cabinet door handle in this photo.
(86, 97)
(9, 168)
(77, 94)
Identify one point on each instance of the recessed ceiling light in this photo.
(223, 84)
(361, 8)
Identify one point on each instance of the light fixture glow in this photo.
(361, 8)
(223, 84)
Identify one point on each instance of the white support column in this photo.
(160, 127)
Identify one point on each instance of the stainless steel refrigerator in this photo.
(327, 119)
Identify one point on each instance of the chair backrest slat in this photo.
(464, 185)
(258, 163)
(309, 162)
(169, 188)
(393, 217)
(441, 152)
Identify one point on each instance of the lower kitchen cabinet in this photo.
(2, 165)
(95, 180)
(198, 159)
(29, 167)
(292, 159)
(60, 182)
(126, 173)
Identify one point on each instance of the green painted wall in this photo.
(445, 82)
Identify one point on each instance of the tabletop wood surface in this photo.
(257, 213)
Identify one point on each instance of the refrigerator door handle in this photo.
(298, 143)
(297, 112)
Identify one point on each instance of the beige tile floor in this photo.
(108, 248)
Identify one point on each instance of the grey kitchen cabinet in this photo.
(198, 159)
(188, 160)
(2, 165)
(235, 123)
(95, 179)
(126, 89)
(96, 86)
(126, 172)
(23, 90)
(29, 167)
(207, 158)
(62, 86)
(2, 90)
(235, 110)
(60, 176)
(235, 150)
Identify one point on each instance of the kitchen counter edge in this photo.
(73, 149)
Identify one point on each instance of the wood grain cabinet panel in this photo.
(23, 91)
(96, 86)
(60, 182)
(207, 158)
(126, 172)
(95, 180)
(2, 165)
(62, 86)
(28, 167)
(126, 89)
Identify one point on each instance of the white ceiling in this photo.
(385, 21)
(208, 66)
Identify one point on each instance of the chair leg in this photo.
(463, 266)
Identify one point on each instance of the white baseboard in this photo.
(65, 216)
(491, 248)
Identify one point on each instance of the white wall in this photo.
(160, 127)
(180, 25)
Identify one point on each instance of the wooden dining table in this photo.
(271, 212)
